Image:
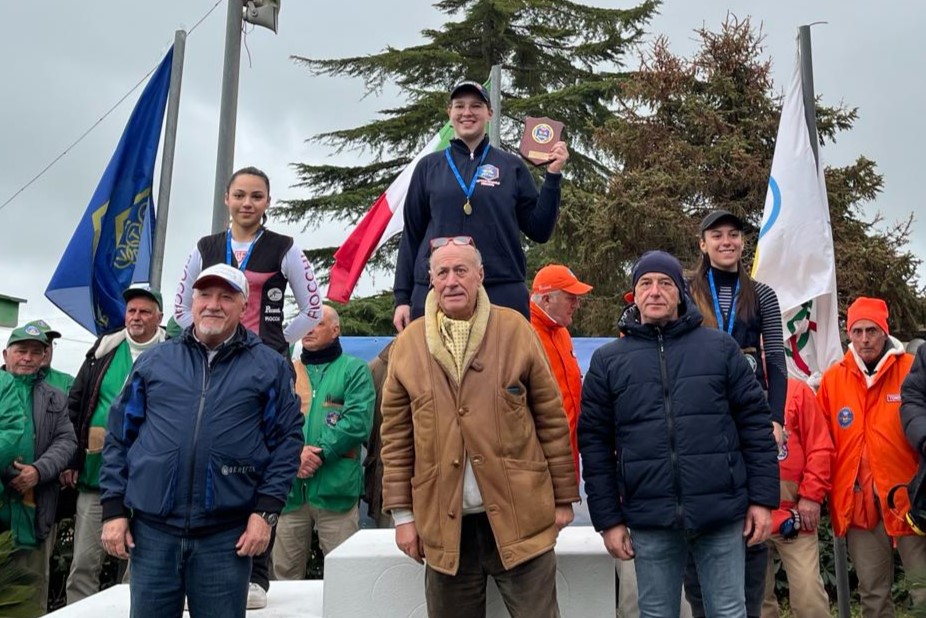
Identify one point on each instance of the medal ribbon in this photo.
(717, 312)
(468, 192)
(247, 256)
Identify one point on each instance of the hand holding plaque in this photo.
(540, 136)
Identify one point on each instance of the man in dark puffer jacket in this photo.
(676, 442)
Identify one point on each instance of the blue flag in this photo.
(111, 247)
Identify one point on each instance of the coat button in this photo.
(456, 463)
(462, 411)
(451, 515)
(477, 460)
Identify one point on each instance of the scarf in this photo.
(325, 355)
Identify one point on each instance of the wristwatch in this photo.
(270, 518)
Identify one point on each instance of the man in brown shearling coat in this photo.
(479, 474)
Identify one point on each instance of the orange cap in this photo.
(558, 277)
(865, 308)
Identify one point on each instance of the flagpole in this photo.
(810, 115)
(167, 158)
(810, 107)
(228, 111)
(495, 100)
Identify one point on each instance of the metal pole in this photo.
(167, 158)
(495, 95)
(810, 115)
(810, 109)
(228, 111)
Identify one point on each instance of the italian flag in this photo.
(383, 221)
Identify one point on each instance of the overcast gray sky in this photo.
(67, 62)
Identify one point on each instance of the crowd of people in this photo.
(208, 458)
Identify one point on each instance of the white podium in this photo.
(368, 576)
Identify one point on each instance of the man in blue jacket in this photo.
(677, 447)
(202, 448)
(474, 189)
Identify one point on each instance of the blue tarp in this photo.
(368, 347)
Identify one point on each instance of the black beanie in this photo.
(659, 262)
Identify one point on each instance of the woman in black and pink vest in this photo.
(269, 261)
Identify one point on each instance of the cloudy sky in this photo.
(67, 63)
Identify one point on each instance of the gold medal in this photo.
(467, 208)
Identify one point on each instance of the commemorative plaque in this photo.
(540, 135)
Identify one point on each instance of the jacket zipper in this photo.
(207, 376)
(670, 422)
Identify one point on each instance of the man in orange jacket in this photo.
(555, 296)
(861, 397)
(805, 461)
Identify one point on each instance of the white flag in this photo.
(795, 251)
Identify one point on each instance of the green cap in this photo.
(143, 291)
(45, 328)
(28, 332)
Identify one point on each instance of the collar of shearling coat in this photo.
(436, 344)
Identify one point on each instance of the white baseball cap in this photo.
(226, 274)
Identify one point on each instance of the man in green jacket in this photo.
(47, 443)
(337, 400)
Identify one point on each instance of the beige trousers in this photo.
(872, 556)
(294, 537)
(84, 579)
(800, 559)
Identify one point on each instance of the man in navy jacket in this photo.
(474, 189)
(202, 447)
(677, 447)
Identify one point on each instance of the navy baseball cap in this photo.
(471, 86)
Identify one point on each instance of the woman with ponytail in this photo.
(269, 261)
(731, 300)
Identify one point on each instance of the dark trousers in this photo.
(260, 564)
(528, 590)
(512, 295)
(756, 563)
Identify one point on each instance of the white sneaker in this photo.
(257, 597)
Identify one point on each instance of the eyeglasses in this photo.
(460, 241)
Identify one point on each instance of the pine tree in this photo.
(690, 135)
(559, 59)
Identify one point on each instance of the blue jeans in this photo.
(660, 556)
(166, 567)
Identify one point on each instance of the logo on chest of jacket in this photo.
(893, 397)
(488, 175)
(274, 295)
(226, 470)
(845, 418)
